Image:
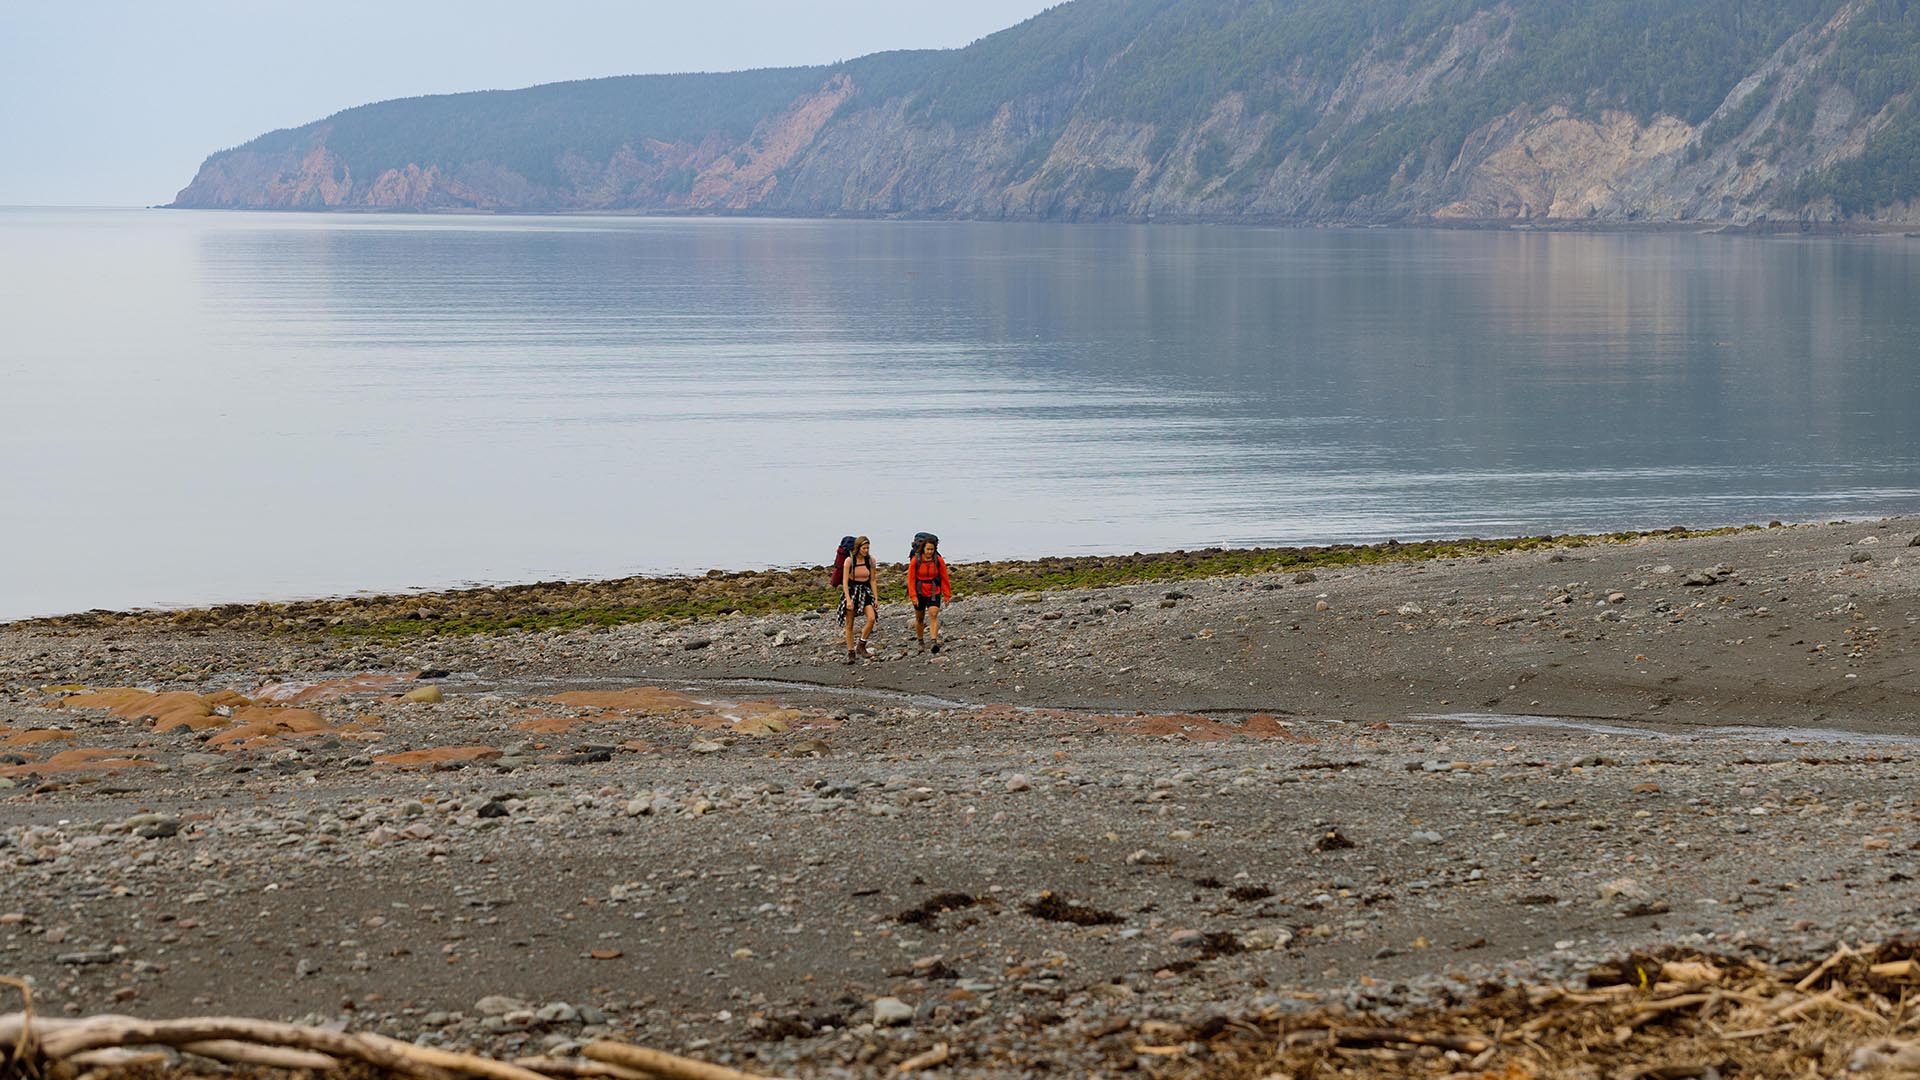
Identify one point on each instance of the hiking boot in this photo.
(849, 656)
(936, 648)
(864, 651)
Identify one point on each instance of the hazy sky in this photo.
(116, 102)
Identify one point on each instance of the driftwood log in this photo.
(26, 1039)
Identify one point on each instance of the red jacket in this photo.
(929, 578)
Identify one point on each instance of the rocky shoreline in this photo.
(1373, 784)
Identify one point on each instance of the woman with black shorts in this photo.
(857, 597)
(928, 586)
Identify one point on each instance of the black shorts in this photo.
(926, 602)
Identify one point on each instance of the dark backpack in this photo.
(918, 539)
(840, 560)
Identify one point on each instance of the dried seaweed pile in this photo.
(1658, 1016)
(1666, 1015)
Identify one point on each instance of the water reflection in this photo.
(443, 399)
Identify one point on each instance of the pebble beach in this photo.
(1376, 785)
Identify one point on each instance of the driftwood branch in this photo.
(110, 1041)
(1825, 966)
(580, 1069)
(936, 1056)
(273, 1057)
(19, 1040)
(663, 1065)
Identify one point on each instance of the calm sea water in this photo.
(203, 407)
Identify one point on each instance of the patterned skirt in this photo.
(861, 593)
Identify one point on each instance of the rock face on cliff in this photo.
(1291, 110)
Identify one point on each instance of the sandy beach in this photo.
(1375, 783)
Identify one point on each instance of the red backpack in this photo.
(840, 560)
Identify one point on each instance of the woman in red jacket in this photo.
(928, 583)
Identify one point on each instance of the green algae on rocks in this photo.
(587, 605)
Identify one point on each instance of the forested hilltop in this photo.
(1302, 110)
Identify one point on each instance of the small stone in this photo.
(1616, 598)
(157, 827)
(1305, 577)
(1860, 557)
(696, 644)
(90, 956)
(498, 1005)
(1427, 836)
(1267, 938)
(891, 1012)
(557, 1012)
(706, 746)
(1322, 605)
(306, 968)
(1623, 888)
(774, 723)
(424, 695)
(1019, 782)
(492, 808)
(1412, 609)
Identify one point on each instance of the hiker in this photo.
(857, 597)
(928, 587)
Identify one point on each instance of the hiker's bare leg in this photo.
(933, 614)
(873, 616)
(920, 622)
(851, 615)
